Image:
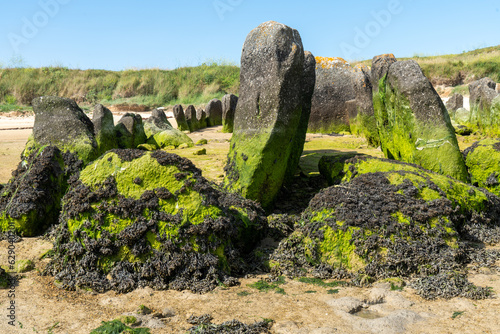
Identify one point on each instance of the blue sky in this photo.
(126, 34)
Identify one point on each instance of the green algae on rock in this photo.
(413, 123)
(161, 134)
(387, 218)
(269, 113)
(129, 131)
(136, 218)
(104, 128)
(483, 162)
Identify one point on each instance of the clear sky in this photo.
(116, 35)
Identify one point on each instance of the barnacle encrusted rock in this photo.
(160, 132)
(31, 201)
(483, 162)
(413, 123)
(332, 90)
(269, 112)
(386, 218)
(60, 122)
(136, 218)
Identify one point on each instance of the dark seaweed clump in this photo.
(175, 265)
(416, 248)
(203, 325)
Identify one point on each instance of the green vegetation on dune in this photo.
(150, 87)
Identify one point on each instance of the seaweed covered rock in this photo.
(104, 128)
(180, 118)
(268, 113)
(214, 112)
(201, 116)
(462, 116)
(362, 119)
(136, 218)
(60, 122)
(129, 131)
(192, 121)
(229, 103)
(483, 162)
(413, 123)
(160, 132)
(390, 219)
(31, 201)
(484, 107)
(332, 90)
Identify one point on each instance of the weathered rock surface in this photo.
(136, 219)
(104, 128)
(129, 131)
(484, 107)
(180, 118)
(201, 116)
(413, 123)
(332, 90)
(269, 112)
(161, 134)
(455, 102)
(192, 121)
(60, 122)
(380, 68)
(214, 112)
(229, 103)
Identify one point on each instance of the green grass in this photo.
(265, 286)
(117, 327)
(149, 87)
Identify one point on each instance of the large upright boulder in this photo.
(229, 103)
(413, 123)
(104, 128)
(269, 112)
(201, 116)
(130, 131)
(214, 112)
(455, 102)
(362, 119)
(191, 119)
(484, 106)
(60, 122)
(161, 134)
(180, 118)
(332, 90)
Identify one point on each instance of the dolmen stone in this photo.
(149, 219)
(214, 112)
(191, 119)
(104, 128)
(180, 118)
(269, 112)
(362, 119)
(384, 218)
(60, 122)
(483, 162)
(332, 90)
(484, 106)
(129, 131)
(160, 133)
(455, 102)
(412, 120)
(229, 103)
(201, 116)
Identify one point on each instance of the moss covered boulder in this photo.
(332, 90)
(413, 123)
(129, 131)
(31, 201)
(229, 103)
(180, 118)
(60, 122)
(389, 219)
(136, 218)
(483, 162)
(269, 112)
(104, 128)
(214, 112)
(191, 119)
(161, 134)
(362, 121)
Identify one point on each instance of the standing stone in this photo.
(60, 122)
(180, 118)
(362, 119)
(332, 90)
(414, 125)
(104, 128)
(455, 102)
(191, 119)
(161, 134)
(484, 106)
(229, 103)
(130, 131)
(380, 67)
(269, 112)
(214, 112)
(201, 116)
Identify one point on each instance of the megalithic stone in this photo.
(269, 112)
(229, 103)
(180, 118)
